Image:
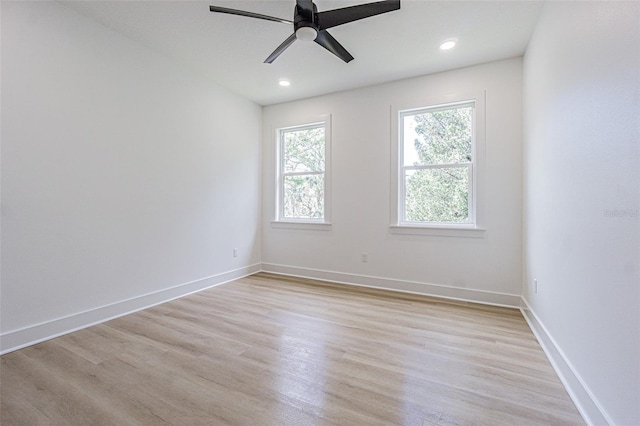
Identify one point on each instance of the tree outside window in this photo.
(436, 181)
(302, 172)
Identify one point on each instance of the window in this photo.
(303, 173)
(436, 166)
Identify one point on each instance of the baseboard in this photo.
(437, 290)
(592, 412)
(17, 339)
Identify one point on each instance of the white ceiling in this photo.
(405, 43)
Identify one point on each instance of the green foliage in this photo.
(444, 136)
(303, 165)
(303, 150)
(439, 194)
(304, 196)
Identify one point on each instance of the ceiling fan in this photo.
(309, 24)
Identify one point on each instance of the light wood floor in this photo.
(269, 350)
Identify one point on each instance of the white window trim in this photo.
(310, 226)
(322, 224)
(474, 229)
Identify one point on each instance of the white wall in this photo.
(581, 180)
(123, 175)
(472, 268)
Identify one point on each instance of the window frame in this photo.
(281, 220)
(472, 228)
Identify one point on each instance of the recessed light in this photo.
(284, 83)
(447, 45)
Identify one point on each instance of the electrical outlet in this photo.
(364, 257)
(535, 286)
(235, 252)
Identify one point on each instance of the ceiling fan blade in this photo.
(335, 17)
(247, 14)
(288, 42)
(327, 41)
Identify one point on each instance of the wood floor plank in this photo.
(270, 349)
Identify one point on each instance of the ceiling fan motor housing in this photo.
(304, 17)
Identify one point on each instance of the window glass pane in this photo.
(304, 196)
(303, 150)
(438, 136)
(437, 195)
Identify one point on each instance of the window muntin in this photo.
(436, 173)
(302, 179)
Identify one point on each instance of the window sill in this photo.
(438, 231)
(313, 226)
